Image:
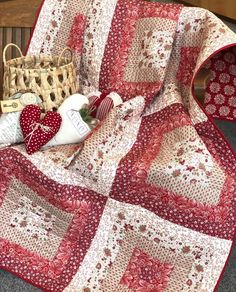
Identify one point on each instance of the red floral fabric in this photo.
(220, 97)
(146, 274)
(75, 40)
(187, 63)
(84, 206)
(118, 48)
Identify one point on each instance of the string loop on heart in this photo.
(35, 126)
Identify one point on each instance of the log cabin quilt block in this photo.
(43, 228)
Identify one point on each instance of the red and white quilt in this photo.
(149, 203)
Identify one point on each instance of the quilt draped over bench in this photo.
(149, 203)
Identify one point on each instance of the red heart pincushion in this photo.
(38, 132)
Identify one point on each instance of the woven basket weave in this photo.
(53, 78)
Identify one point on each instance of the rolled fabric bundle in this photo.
(102, 103)
(95, 99)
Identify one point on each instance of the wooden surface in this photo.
(200, 84)
(18, 13)
(223, 7)
(17, 18)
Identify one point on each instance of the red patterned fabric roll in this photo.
(102, 103)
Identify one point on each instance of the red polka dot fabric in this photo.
(38, 132)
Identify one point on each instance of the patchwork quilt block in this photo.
(138, 48)
(138, 251)
(46, 227)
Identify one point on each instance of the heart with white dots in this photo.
(38, 132)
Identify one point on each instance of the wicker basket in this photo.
(53, 78)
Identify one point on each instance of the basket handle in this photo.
(63, 52)
(5, 50)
